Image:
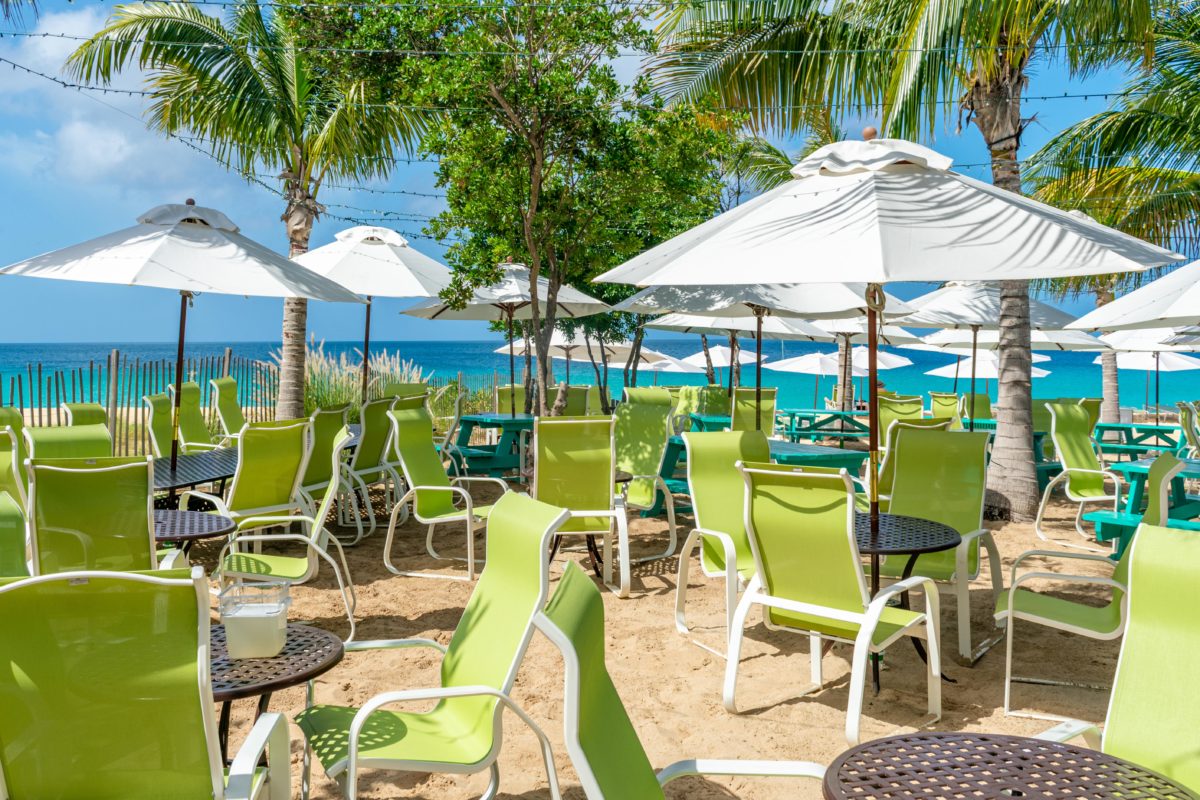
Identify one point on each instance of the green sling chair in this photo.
(93, 513)
(594, 403)
(1084, 476)
(1092, 405)
(158, 423)
(946, 405)
(1152, 710)
(12, 505)
(717, 496)
(652, 395)
(941, 476)
(85, 414)
(106, 696)
(444, 440)
(714, 400)
(68, 441)
(462, 732)
(887, 469)
(236, 563)
(1042, 422)
(983, 406)
(744, 408)
(687, 402)
(898, 408)
(229, 407)
(575, 468)
(604, 747)
(576, 400)
(323, 471)
(809, 579)
(1095, 622)
(640, 432)
(193, 429)
(397, 389)
(1188, 423)
(437, 498)
(13, 452)
(503, 395)
(370, 465)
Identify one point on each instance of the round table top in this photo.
(308, 652)
(171, 525)
(988, 766)
(899, 534)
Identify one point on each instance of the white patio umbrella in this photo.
(1172, 301)
(880, 211)
(815, 364)
(984, 365)
(1140, 348)
(773, 328)
(189, 248)
(669, 364)
(721, 357)
(859, 357)
(376, 262)
(509, 299)
(562, 345)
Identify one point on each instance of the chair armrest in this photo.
(269, 735)
(271, 520)
(222, 509)
(480, 479)
(393, 644)
(176, 559)
(1069, 729)
(709, 766)
(1093, 580)
(973, 535)
(1055, 554)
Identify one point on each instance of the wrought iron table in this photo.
(182, 528)
(194, 469)
(991, 766)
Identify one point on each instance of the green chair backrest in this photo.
(68, 441)
(801, 532)
(1158, 488)
(1092, 404)
(648, 394)
(334, 456)
(594, 404)
(687, 401)
(894, 408)
(1187, 421)
(272, 459)
(102, 670)
(396, 389)
(603, 744)
(1041, 422)
(192, 427)
(744, 408)
(12, 537)
(88, 514)
(640, 435)
(420, 463)
(325, 425)
(12, 460)
(983, 405)
(1070, 429)
(85, 414)
(717, 490)
(887, 469)
(942, 476)
(497, 623)
(1153, 707)
(574, 467)
(504, 393)
(158, 409)
(576, 400)
(229, 407)
(373, 434)
(946, 405)
(714, 401)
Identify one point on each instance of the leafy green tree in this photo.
(245, 87)
(919, 62)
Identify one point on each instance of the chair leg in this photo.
(1037, 523)
(622, 588)
(736, 632)
(815, 651)
(858, 685)
(681, 582)
(493, 782)
(933, 663)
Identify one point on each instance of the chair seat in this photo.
(1058, 611)
(437, 737)
(893, 621)
(289, 568)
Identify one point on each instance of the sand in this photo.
(670, 684)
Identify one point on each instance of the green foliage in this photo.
(333, 381)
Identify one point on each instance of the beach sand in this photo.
(671, 686)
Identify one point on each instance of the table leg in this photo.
(223, 730)
(1136, 493)
(920, 648)
(876, 658)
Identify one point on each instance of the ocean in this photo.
(1072, 374)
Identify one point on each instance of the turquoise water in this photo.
(1071, 374)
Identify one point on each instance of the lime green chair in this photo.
(371, 464)
(687, 402)
(229, 406)
(595, 404)
(323, 470)
(714, 400)
(13, 453)
(576, 400)
(942, 476)
(1153, 709)
(85, 414)
(437, 499)
(1103, 622)
(510, 397)
(718, 507)
(604, 747)
(1092, 405)
(1042, 422)
(640, 432)
(809, 579)
(983, 406)
(892, 409)
(93, 513)
(575, 468)
(68, 441)
(946, 405)
(461, 733)
(887, 468)
(1084, 478)
(194, 436)
(397, 389)
(12, 506)
(237, 562)
(158, 423)
(651, 395)
(1188, 423)
(110, 680)
(744, 408)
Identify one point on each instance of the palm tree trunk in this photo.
(710, 375)
(845, 380)
(735, 366)
(290, 403)
(1110, 404)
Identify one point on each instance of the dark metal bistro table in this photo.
(194, 469)
(182, 528)
(989, 767)
(901, 535)
(308, 653)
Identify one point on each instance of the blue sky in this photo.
(74, 165)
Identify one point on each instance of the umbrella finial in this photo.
(189, 202)
(870, 132)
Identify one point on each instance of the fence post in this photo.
(226, 361)
(114, 379)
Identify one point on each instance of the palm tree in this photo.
(10, 10)
(918, 61)
(247, 89)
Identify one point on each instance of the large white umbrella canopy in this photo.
(1172, 301)
(967, 305)
(815, 364)
(806, 301)
(854, 331)
(573, 347)
(1149, 350)
(772, 327)
(721, 357)
(1156, 361)
(669, 364)
(956, 340)
(859, 357)
(376, 262)
(988, 368)
(189, 248)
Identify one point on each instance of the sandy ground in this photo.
(670, 684)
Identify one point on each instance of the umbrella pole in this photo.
(974, 345)
(512, 371)
(183, 304)
(875, 301)
(957, 361)
(366, 369)
(816, 389)
(1156, 400)
(758, 315)
(732, 338)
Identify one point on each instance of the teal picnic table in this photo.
(818, 423)
(500, 458)
(1136, 439)
(710, 422)
(1119, 526)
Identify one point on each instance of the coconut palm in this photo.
(245, 88)
(919, 61)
